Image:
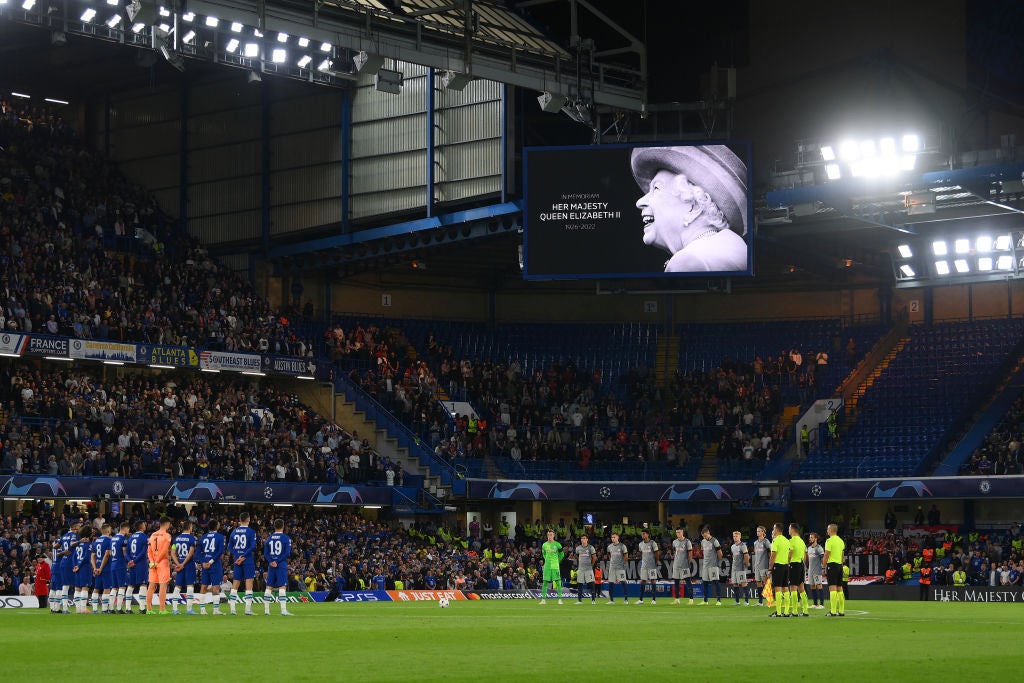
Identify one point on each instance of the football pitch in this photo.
(517, 640)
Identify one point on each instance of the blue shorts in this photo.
(244, 571)
(62, 576)
(104, 582)
(186, 577)
(277, 577)
(139, 574)
(83, 577)
(120, 573)
(214, 576)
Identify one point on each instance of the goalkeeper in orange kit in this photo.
(159, 564)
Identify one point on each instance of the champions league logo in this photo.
(212, 491)
(816, 490)
(701, 492)
(605, 492)
(37, 486)
(343, 494)
(520, 491)
(918, 489)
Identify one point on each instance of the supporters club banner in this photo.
(294, 367)
(236, 362)
(42, 487)
(102, 350)
(47, 346)
(12, 344)
(611, 491)
(175, 356)
(926, 487)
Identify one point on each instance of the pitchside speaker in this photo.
(142, 11)
(552, 103)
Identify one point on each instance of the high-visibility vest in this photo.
(928, 554)
(908, 571)
(890, 575)
(959, 578)
(598, 575)
(926, 576)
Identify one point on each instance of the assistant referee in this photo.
(834, 549)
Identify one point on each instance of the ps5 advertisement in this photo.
(637, 211)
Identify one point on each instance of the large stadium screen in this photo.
(637, 211)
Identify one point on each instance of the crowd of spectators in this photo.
(565, 413)
(71, 422)
(1000, 451)
(85, 253)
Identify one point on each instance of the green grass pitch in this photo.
(517, 640)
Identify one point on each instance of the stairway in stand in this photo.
(858, 394)
(709, 464)
(666, 360)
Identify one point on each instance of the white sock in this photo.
(129, 594)
(233, 599)
(216, 602)
(51, 599)
(190, 599)
(283, 598)
(248, 601)
(65, 601)
(105, 602)
(268, 598)
(95, 601)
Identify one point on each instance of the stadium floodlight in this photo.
(114, 20)
(911, 143)
(28, 4)
(939, 248)
(113, 3)
(370, 63)
(166, 28)
(54, 100)
(848, 151)
(1003, 242)
(257, 33)
(21, 95)
(827, 153)
(164, 12)
(279, 56)
(961, 265)
(232, 45)
(189, 17)
(905, 251)
(88, 15)
(942, 267)
(1004, 262)
(867, 149)
(907, 162)
(453, 80)
(212, 22)
(189, 37)
(887, 146)
(325, 47)
(389, 81)
(304, 61)
(236, 27)
(282, 37)
(907, 270)
(983, 244)
(252, 50)
(832, 171)
(324, 66)
(303, 42)
(138, 27)
(962, 246)
(985, 263)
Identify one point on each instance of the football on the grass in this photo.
(443, 602)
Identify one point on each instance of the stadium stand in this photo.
(926, 393)
(1000, 451)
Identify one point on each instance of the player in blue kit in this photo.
(81, 570)
(211, 549)
(138, 566)
(67, 546)
(276, 550)
(183, 558)
(102, 574)
(119, 566)
(242, 544)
